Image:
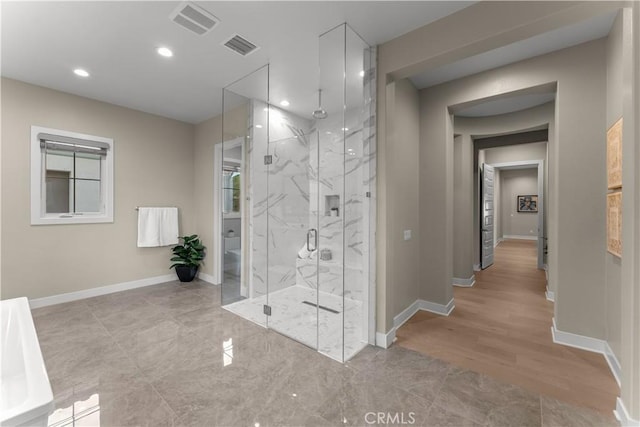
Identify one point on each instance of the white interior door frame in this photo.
(530, 164)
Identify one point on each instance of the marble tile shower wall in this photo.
(338, 173)
(279, 196)
(295, 198)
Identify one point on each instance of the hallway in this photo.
(502, 327)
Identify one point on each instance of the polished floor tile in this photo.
(169, 355)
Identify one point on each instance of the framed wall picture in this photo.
(614, 155)
(614, 223)
(527, 203)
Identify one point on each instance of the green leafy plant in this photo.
(190, 253)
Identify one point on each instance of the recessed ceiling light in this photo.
(164, 51)
(362, 73)
(345, 129)
(284, 103)
(80, 72)
(259, 126)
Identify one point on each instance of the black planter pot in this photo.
(186, 273)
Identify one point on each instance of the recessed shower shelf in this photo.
(332, 205)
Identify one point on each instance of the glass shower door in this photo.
(292, 226)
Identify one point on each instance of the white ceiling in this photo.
(42, 42)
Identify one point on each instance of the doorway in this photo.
(516, 206)
(231, 224)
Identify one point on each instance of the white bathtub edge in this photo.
(39, 403)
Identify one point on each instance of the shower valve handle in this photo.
(315, 239)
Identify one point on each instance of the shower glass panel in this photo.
(293, 229)
(359, 131)
(305, 188)
(343, 186)
(240, 190)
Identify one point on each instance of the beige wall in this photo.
(463, 207)
(401, 208)
(480, 27)
(514, 183)
(517, 153)
(580, 240)
(631, 268)
(614, 112)
(153, 167)
(629, 353)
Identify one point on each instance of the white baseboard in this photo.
(551, 296)
(406, 314)
(597, 346)
(578, 341)
(443, 310)
(385, 340)
(623, 416)
(103, 290)
(519, 237)
(613, 363)
(465, 283)
(476, 267)
(207, 278)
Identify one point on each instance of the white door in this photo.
(486, 234)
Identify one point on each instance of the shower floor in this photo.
(295, 318)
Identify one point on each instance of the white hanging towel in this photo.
(157, 227)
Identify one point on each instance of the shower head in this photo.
(319, 113)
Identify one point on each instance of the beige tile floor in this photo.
(168, 355)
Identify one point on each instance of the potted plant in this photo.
(187, 257)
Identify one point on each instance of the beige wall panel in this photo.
(153, 167)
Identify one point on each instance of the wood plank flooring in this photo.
(502, 327)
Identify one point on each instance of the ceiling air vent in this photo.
(241, 45)
(194, 18)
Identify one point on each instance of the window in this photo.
(71, 177)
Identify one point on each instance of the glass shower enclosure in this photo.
(304, 251)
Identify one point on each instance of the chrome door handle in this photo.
(315, 239)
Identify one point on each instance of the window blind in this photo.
(65, 143)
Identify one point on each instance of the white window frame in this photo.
(38, 188)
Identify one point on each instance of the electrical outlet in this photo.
(407, 234)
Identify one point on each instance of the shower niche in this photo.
(309, 214)
(332, 205)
